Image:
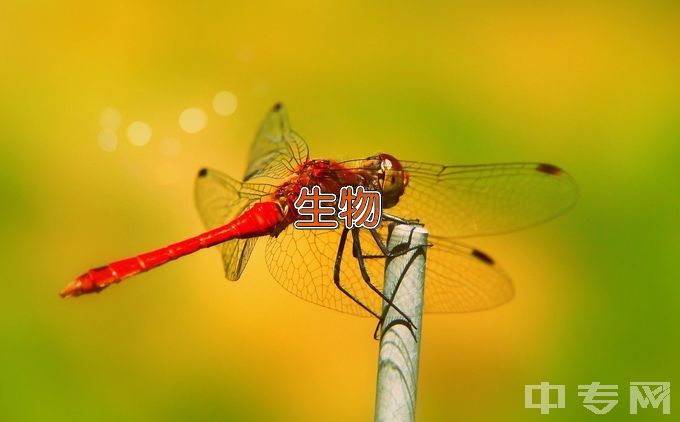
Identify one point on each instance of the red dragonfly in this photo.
(452, 202)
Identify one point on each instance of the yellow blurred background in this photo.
(591, 86)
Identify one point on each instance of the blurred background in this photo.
(107, 110)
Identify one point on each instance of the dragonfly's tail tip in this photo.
(72, 289)
(77, 287)
(92, 281)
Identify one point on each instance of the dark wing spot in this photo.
(549, 169)
(203, 172)
(482, 256)
(277, 106)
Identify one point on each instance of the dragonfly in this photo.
(337, 268)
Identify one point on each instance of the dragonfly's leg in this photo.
(383, 248)
(336, 273)
(386, 253)
(381, 321)
(379, 242)
(383, 316)
(367, 279)
(395, 219)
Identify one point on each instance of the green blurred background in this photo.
(591, 86)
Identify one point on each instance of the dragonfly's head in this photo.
(393, 179)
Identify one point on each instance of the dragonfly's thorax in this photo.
(382, 173)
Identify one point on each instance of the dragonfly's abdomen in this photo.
(262, 219)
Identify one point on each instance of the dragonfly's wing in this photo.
(220, 199)
(277, 150)
(303, 261)
(479, 200)
(457, 278)
(235, 256)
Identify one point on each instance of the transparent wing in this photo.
(277, 150)
(302, 261)
(235, 256)
(220, 199)
(479, 200)
(457, 278)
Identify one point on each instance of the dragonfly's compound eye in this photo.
(388, 162)
(394, 180)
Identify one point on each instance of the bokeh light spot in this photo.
(107, 140)
(193, 120)
(110, 118)
(139, 133)
(225, 103)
